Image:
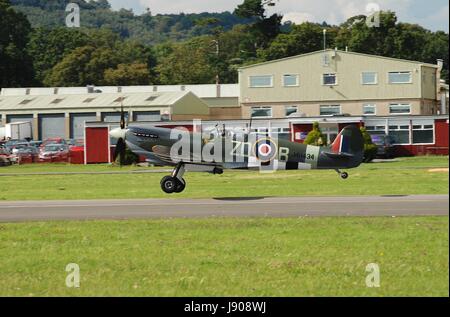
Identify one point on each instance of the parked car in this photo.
(5, 157)
(384, 144)
(53, 141)
(36, 144)
(26, 155)
(19, 146)
(54, 153)
(75, 144)
(11, 144)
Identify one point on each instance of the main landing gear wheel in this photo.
(174, 183)
(169, 184)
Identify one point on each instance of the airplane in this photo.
(247, 151)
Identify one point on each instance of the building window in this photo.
(369, 109)
(329, 79)
(261, 112)
(399, 108)
(330, 110)
(400, 78)
(261, 81)
(423, 134)
(399, 134)
(291, 111)
(376, 129)
(369, 78)
(291, 80)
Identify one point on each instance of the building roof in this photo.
(90, 101)
(341, 52)
(202, 91)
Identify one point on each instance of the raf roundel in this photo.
(265, 150)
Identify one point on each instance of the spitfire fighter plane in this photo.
(191, 151)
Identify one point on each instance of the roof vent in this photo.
(88, 100)
(56, 101)
(151, 98)
(25, 101)
(120, 99)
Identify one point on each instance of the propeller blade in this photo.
(122, 117)
(120, 151)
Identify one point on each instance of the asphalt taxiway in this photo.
(420, 205)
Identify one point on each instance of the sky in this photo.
(431, 14)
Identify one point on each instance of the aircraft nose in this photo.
(118, 133)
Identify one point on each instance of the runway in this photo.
(225, 207)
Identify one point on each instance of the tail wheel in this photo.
(181, 185)
(169, 184)
(344, 175)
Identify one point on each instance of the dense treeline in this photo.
(116, 48)
(147, 28)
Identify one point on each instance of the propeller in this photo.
(120, 134)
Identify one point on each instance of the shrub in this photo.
(370, 149)
(315, 137)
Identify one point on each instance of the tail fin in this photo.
(349, 141)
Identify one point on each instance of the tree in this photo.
(48, 47)
(264, 29)
(359, 37)
(84, 66)
(304, 38)
(315, 137)
(16, 69)
(370, 149)
(187, 63)
(127, 74)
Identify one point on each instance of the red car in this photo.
(53, 141)
(54, 153)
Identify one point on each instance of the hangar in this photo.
(64, 115)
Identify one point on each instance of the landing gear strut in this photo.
(343, 175)
(175, 182)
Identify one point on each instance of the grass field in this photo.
(407, 176)
(228, 257)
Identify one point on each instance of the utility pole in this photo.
(216, 42)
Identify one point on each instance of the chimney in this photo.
(440, 64)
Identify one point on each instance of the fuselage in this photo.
(168, 147)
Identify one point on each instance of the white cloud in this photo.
(299, 17)
(191, 6)
(432, 16)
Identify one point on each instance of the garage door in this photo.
(20, 118)
(52, 126)
(113, 117)
(77, 121)
(147, 116)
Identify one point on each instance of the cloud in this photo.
(299, 17)
(191, 6)
(433, 16)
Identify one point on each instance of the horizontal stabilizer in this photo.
(338, 155)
